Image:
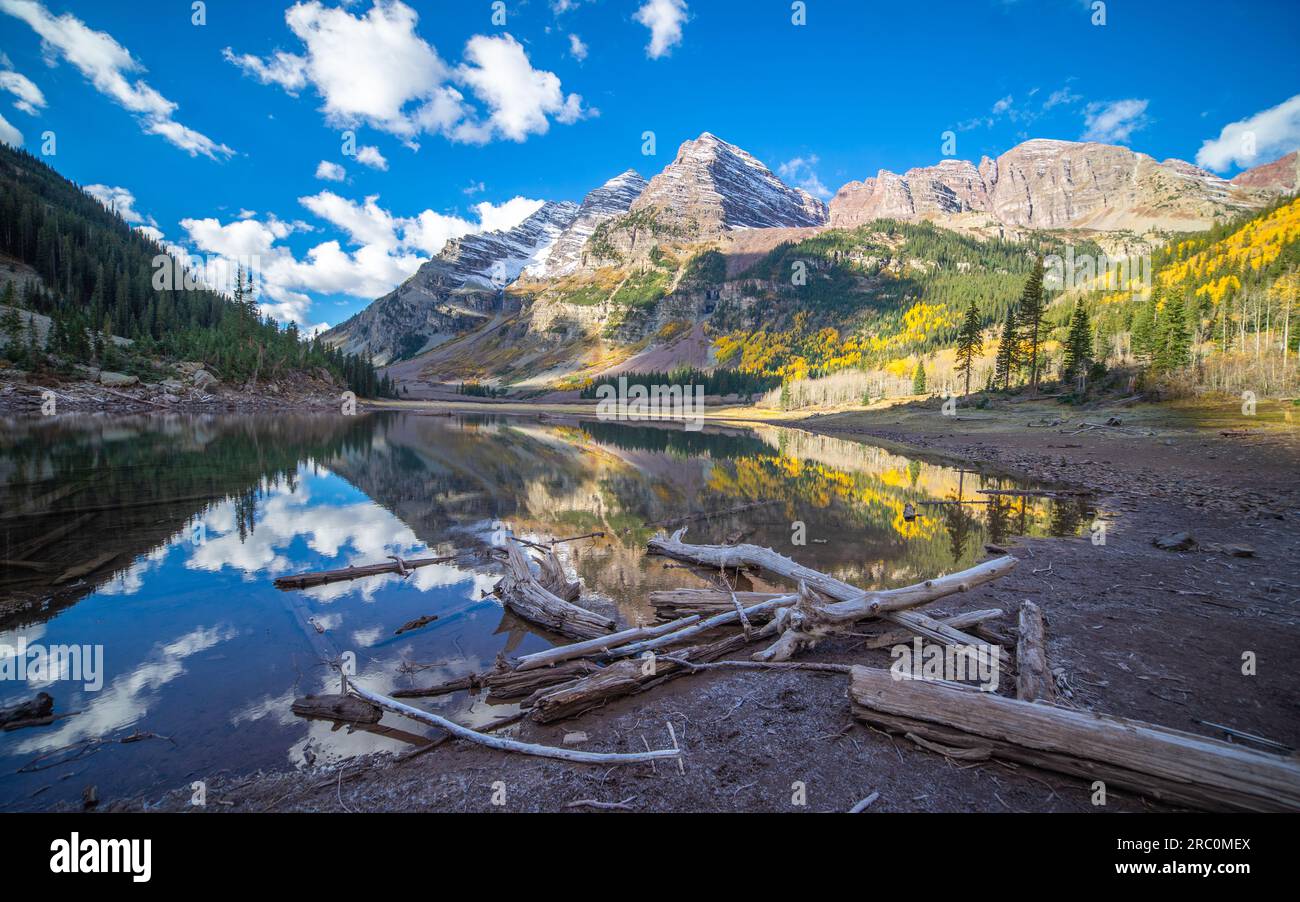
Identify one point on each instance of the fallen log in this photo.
(321, 577)
(704, 626)
(345, 708)
(86, 568)
(1034, 680)
(671, 603)
(417, 623)
(523, 594)
(510, 745)
(814, 619)
(39, 707)
(622, 678)
(601, 644)
(957, 621)
(1169, 765)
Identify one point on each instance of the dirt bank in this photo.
(1140, 632)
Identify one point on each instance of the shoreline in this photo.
(1110, 612)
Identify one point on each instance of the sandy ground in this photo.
(1140, 632)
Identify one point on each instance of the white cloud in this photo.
(473, 188)
(1114, 122)
(108, 65)
(370, 156)
(1061, 97)
(382, 249)
(1002, 105)
(1259, 138)
(330, 172)
(577, 49)
(375, 69)
(801, 172)
(121, 200)
(283, 69)
(30, 99)
(499, 217)
(664, 18)
(10, 135)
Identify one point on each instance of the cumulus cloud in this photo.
(111, 68)
(375, 69)
(120, 200)
(379, 249)
(664, 18)
(499, 217)
(370, 156)
(330, 172)
(29, 97)
(1256, 139)
(519, 97)
(1113, 122)
(577, 49)
(802, 173)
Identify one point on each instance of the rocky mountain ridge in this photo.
(1051, 184)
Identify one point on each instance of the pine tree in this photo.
(969, 342)
(1175, 342)
(1031, 318)
(1078, 345)
(918, 379)
(1005, 362)
(1143, 330)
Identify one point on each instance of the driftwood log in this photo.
(346, 708)
(524, 594)
(321, 577)
(622, 678)
(1034, 680)
(39, 708)
(807, 621)
(1170, 765)
(509, 745)
(601, 644)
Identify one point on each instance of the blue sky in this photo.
(215, 134)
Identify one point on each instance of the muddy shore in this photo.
(1140, 632)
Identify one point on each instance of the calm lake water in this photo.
(203, 655)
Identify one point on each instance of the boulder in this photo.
(172, 386)
(202, 379)
(116, 380)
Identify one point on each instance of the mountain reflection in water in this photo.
(203, 652)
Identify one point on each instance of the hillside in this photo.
(93, 275)
(715, 261)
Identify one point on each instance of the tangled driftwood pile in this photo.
(703, 626)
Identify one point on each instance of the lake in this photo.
(189, 519)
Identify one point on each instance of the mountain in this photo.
(456, 291)
(713, 186)
(1049, 184)
(611, 199)
(1282, 176)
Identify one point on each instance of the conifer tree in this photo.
(1078, 345)
(969, 342)
(1031, 318)
(1005, 362)
(918, 379)
(1175, 342)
